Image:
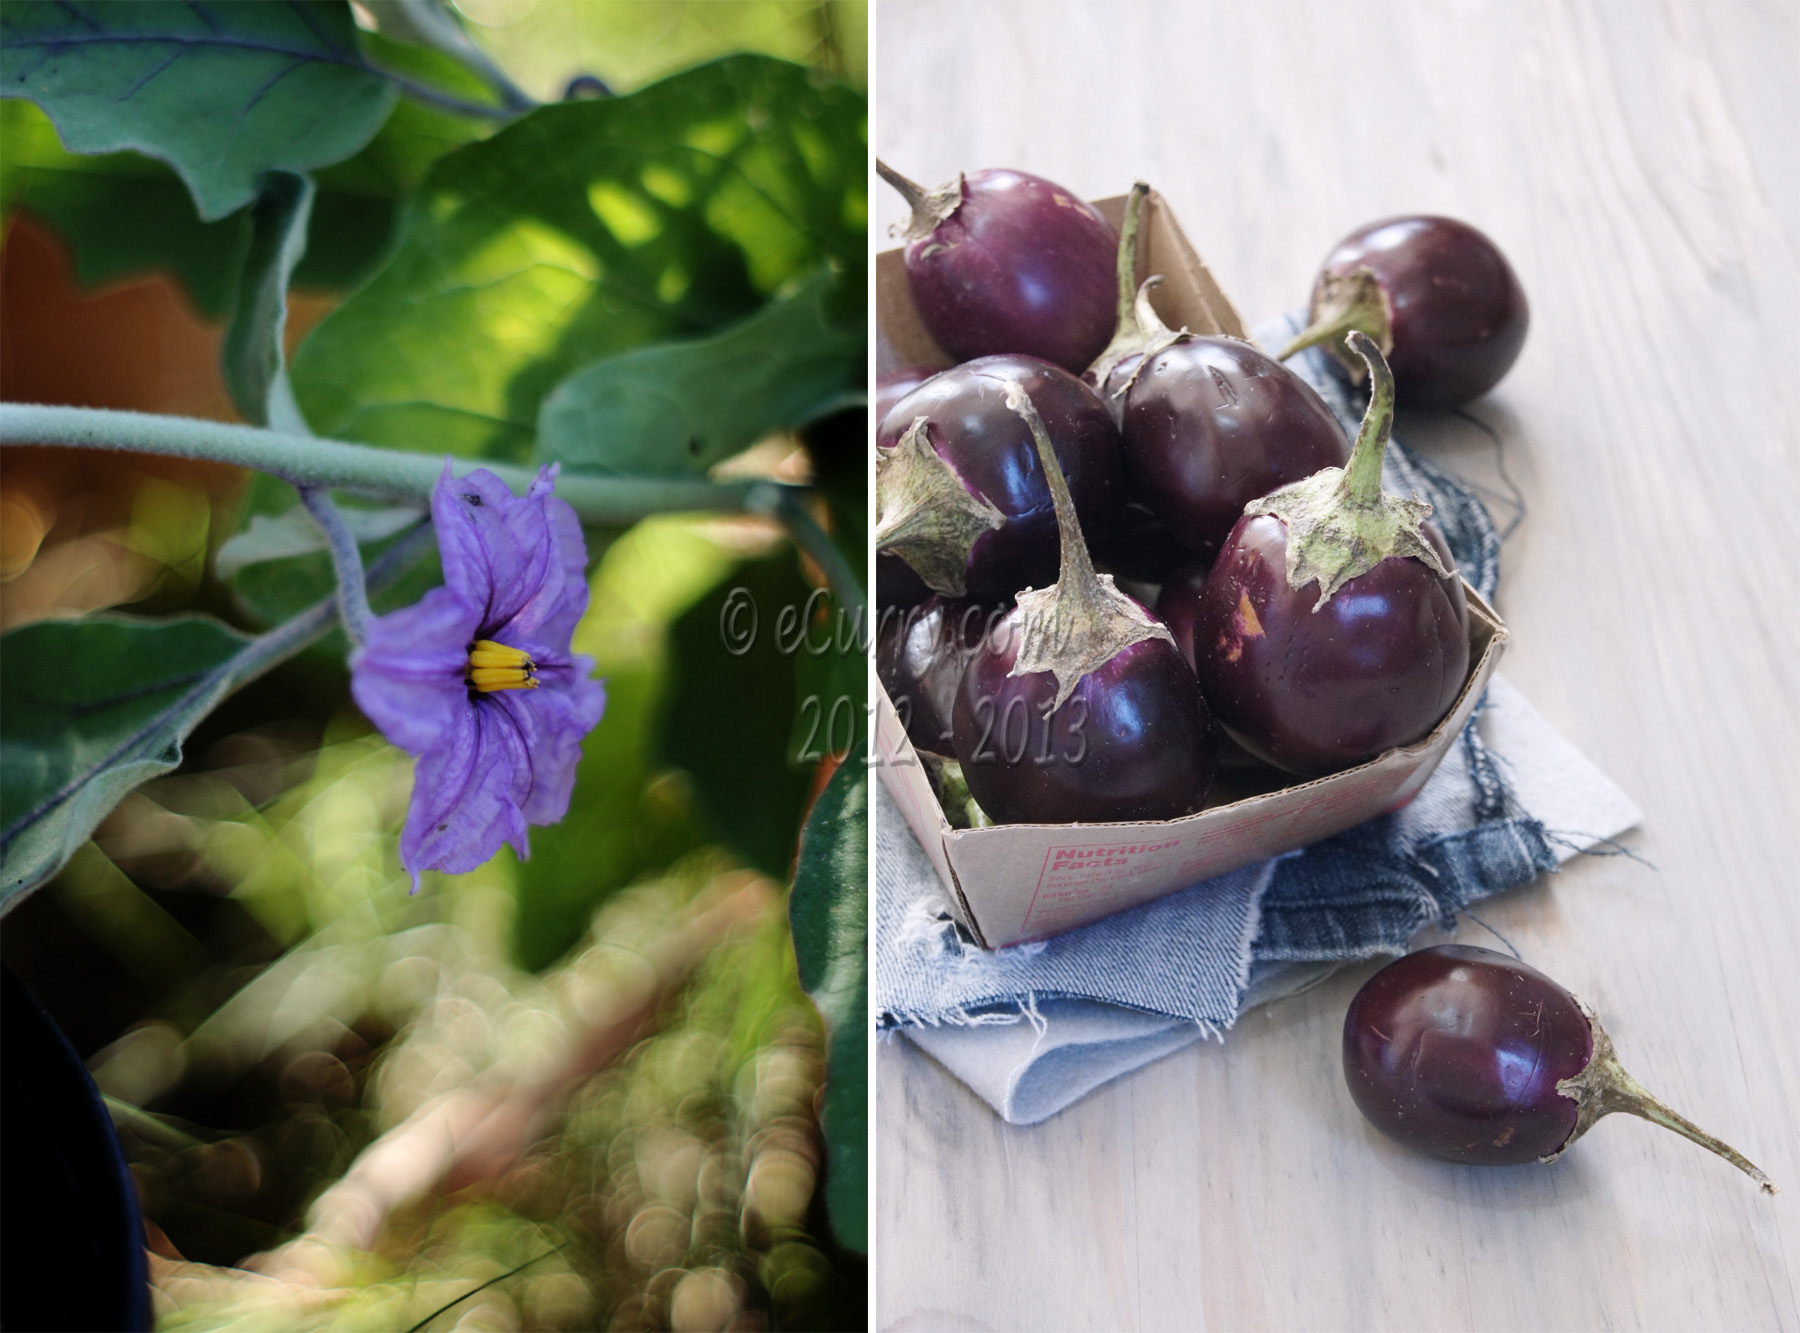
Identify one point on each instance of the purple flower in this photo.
(477, 680)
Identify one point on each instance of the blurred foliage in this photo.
(685, 407)
(585, 229)
(94, 708)
(751, 793)
(626, 43)
(829, 912)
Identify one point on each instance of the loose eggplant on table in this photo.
(1472, 1056)
(1435, 294)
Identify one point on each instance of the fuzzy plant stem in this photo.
(305, 462)
(346, 559)
(272, 649)
(786, 506)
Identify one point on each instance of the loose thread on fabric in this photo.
(1583, 844)
(1511, 948)
(1515, 496)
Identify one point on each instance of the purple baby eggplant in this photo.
(896, 384)
(1474, 1057)
(1139, 544)
(960, 494)
(920, 654)
(1000, 261)
(1211, 424)
(1333, 626)
(1079, 708)
(1438, 298)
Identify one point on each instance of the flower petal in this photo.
(550, 615)
(495, 549)
(408, 678)
(467, 794)
(553, 720)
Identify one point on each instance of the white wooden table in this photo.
(1639, 164)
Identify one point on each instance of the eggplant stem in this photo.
(1603, 1086)
(911, 191)
(1076, 574)
(1082, 621)
(1361, 485)
(1128, 246)
(1341, 304)
(1326, 330)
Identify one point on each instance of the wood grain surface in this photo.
(1639, 164)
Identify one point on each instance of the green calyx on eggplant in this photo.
(1079, 708)
(963, 499)
(1333, 627)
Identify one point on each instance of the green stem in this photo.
(1127, 258)
(305, 462)
(1361, 486)
(346, 560)
(784, 504)
(911, 191)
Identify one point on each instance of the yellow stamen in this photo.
(494, 666)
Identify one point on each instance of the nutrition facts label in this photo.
(1076, 874)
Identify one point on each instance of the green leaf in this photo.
(251, 355)
(829, 912)
(728, 717)
(222, 93)
(584, 229)
(682, 407)
(293, 532)
(88, 710)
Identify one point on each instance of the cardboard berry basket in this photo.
(1011, 883)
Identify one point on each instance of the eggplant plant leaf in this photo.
(727, 715)
(293, 532)
(252, 355)
(88, 710)
(221, 92)
(829, 913)
(681, 407)
(585, 229)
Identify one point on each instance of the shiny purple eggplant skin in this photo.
(1132, 742)
(1024, 266)
(1179, 600)
(1457, 314)
(1456, 1051)
(1313, 692)
(1212, 424)
(992, 452)
(896, 384)
(920, 655)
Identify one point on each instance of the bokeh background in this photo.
(344, 1106)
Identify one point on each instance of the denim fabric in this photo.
(1194, 955)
